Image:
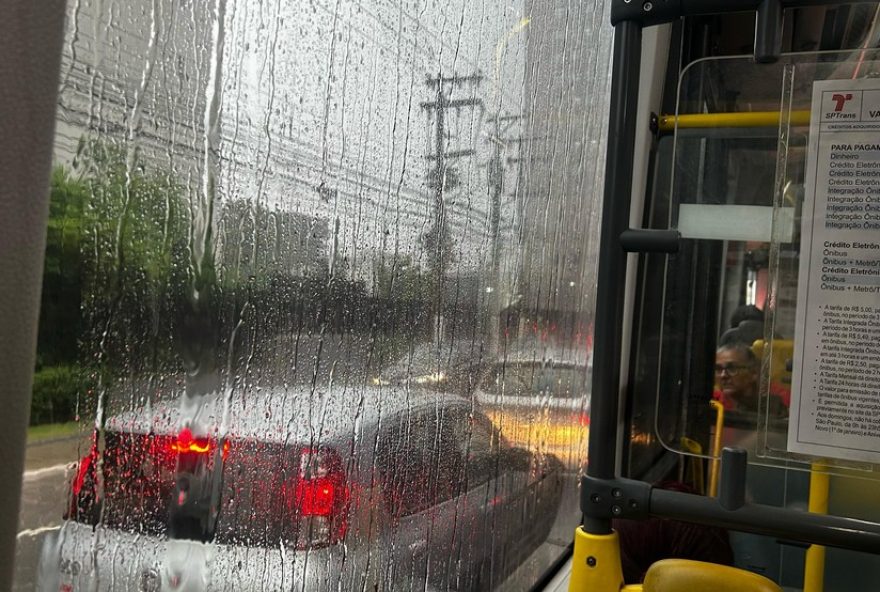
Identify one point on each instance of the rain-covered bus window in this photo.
(317, 307)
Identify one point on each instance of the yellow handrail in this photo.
(694, 476)
(814, 569)
(716, 448)
(668, 123)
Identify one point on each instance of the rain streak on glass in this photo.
(319, 295)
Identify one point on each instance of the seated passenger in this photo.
(737, 378)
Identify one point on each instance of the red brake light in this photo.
(81, 472)
(83, 488)
(319, 498)
(186, 443)
(316, 497)
(581, 419)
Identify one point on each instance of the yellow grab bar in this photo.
(694, 476)
(814, 570)
(668, 123)
(716, 448)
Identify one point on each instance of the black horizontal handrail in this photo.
(655, 12)
(820, 529)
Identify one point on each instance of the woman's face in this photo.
(737, 379)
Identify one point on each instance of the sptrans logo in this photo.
(840, 101)
(841, 106)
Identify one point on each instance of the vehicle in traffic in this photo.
(453, 367)
(540, 400)
(375, 488)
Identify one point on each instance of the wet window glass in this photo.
(527, 380)
(422, 463)
(318, 299)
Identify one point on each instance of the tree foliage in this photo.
(134, 255)
(115, 263)
(116, 239)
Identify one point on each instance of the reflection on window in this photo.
(538, 379)
(421, 465)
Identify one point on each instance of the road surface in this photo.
(43, 496)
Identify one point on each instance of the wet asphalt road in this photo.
(43, 495)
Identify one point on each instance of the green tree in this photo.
(115, 265)
(137, 219)
(135, 256)
(60, 317)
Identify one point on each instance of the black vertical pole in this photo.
(612, 259)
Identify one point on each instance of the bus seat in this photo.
(684, 575)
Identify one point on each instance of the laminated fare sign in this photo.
(835, 407)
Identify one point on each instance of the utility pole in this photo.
(496, 167)
(443, 177)
(501, 143)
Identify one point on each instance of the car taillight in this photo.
(318, 498)
(82, 471)
(83, 489)
(186, 443)
(580, 419)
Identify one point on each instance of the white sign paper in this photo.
(835, 406)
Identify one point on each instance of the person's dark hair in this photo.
(746, 312)
(747, 332)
